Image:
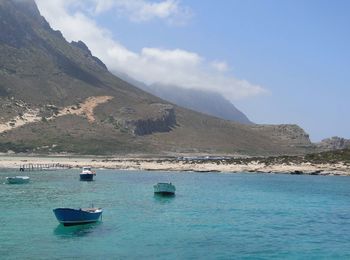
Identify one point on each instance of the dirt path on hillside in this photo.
(83, 109)
(86, 108)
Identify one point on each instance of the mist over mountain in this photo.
(207, 102)
(57, 97)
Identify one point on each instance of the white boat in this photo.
(87, 174)
(17, 179)
(164, 188)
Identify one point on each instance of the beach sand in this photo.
(161, 164)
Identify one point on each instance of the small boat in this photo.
(70, 217)
(164, 188)
(17, 180)
(87, 174)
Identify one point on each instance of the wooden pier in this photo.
(43, 167)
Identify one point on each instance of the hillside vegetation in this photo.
(329, 157)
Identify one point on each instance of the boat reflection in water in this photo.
(77, 230)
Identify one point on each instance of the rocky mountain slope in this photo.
(56, 96)
(333, 143)
(207, 102)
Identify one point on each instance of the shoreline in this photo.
(166, 164)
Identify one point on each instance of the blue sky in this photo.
(293, 56)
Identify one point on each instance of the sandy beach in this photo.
(161, 164)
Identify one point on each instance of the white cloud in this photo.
(171, 57)
(220, 66)
(103, 5)
(144, 10)
(150, 65)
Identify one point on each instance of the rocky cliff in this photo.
(333, 143)
(164, 121)
(292, 134)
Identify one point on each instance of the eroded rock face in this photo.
(289, 133)
(333, 143)
(292, 132)
(81, 45)
(164, 121)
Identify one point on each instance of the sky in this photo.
(280, 62)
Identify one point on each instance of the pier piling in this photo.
(43, 167)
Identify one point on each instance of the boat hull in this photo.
(70, 217)
(164, 193)
(166, 189)
(17, 180)
(86, 176)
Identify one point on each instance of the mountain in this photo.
(56, 97)
(333, 143)
(207, 102)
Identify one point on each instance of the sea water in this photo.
(212, 216)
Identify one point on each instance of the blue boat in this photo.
(69, 217)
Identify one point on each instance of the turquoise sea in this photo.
(212, 216)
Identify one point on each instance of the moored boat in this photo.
(17, 180)
(69, 216)
(164, 188)
(87, 174)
